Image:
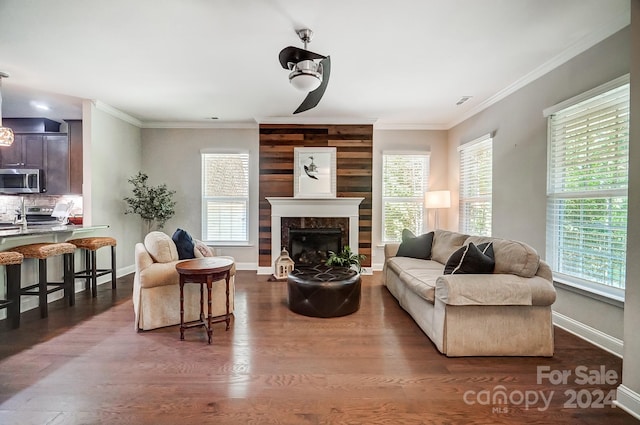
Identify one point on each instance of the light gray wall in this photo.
(432, 141)
(631, 366)
(519, 160)
(112, 153)
(172, 156)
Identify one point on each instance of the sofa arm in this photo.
(390, 250)
(494, 289)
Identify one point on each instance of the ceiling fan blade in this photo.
(295, 55)
(313, 98)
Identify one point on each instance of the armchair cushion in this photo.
(201, 249)
(161, 247)
(184, 243)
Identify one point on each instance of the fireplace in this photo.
(285, 209)
(310, 247)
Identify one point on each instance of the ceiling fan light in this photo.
(6, 136)
(305, 82)
(306, 76)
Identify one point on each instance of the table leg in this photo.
(201, 303)
(181, 308)
(227, 318)
(209, 308)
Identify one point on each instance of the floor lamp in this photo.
(435, 200)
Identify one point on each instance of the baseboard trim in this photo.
(265, 270)
(245, 266)
(589, 334)
(628, 400)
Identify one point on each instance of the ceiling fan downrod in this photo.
(305, 35)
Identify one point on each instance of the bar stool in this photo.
(91, 272)
(12, 262)
(42, 251)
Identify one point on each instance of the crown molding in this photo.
(593, 38)
(116, 113)
(316, 120)
(202, 125)
(408, 126)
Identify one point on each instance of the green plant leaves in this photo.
(154, 204)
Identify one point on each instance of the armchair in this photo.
(156, 292)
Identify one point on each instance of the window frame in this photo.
(487, 197)
(418, 199)
(598, 289)
(204, 199)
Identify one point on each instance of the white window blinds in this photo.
(587, 189)
(404, 182)
(476, 180)
(225, 197)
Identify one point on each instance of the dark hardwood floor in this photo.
(87, 365)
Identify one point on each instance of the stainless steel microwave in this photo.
(21, 180)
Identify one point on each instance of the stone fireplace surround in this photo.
(284, 207)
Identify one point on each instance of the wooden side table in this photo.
(204, 271)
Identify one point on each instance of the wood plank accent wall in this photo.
(354, 157)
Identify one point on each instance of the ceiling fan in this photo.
(306, 74)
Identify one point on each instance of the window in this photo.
(225, 197)
(404, 182)
(587, 176)
(476, 176)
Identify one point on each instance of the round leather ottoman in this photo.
(324, 291)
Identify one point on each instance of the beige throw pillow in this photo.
(161, 247)
(201, 249)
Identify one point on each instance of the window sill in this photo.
(591, 292)
(228, 244)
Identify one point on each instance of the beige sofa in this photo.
(507, 313)
(156, 290)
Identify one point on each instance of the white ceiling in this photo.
(395, 63)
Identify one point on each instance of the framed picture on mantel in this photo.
(314, 173)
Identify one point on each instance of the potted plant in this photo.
(154, 204)
(346, 258)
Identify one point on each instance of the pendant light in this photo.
(6, 134)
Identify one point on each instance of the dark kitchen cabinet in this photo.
(27, 151)
(39, 144)
(56, 167)
(75, 156)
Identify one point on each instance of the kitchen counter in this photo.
(15, 231)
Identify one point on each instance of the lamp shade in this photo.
(437, 199)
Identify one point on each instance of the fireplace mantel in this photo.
(312, 207)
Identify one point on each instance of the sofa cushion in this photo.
(446, 243)
(184, 243)
(415, 246)
(511, 256)
(161, 247)
(471, 259)
(419, 275)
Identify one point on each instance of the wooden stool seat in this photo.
(45, 250)
(8, 258)
(12, 262)
(91, 271)
(93, 244)
(41, 252)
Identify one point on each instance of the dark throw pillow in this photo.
(185, 244)
(415, 246)
(471, 259)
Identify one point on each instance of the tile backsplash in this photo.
(10, 204)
